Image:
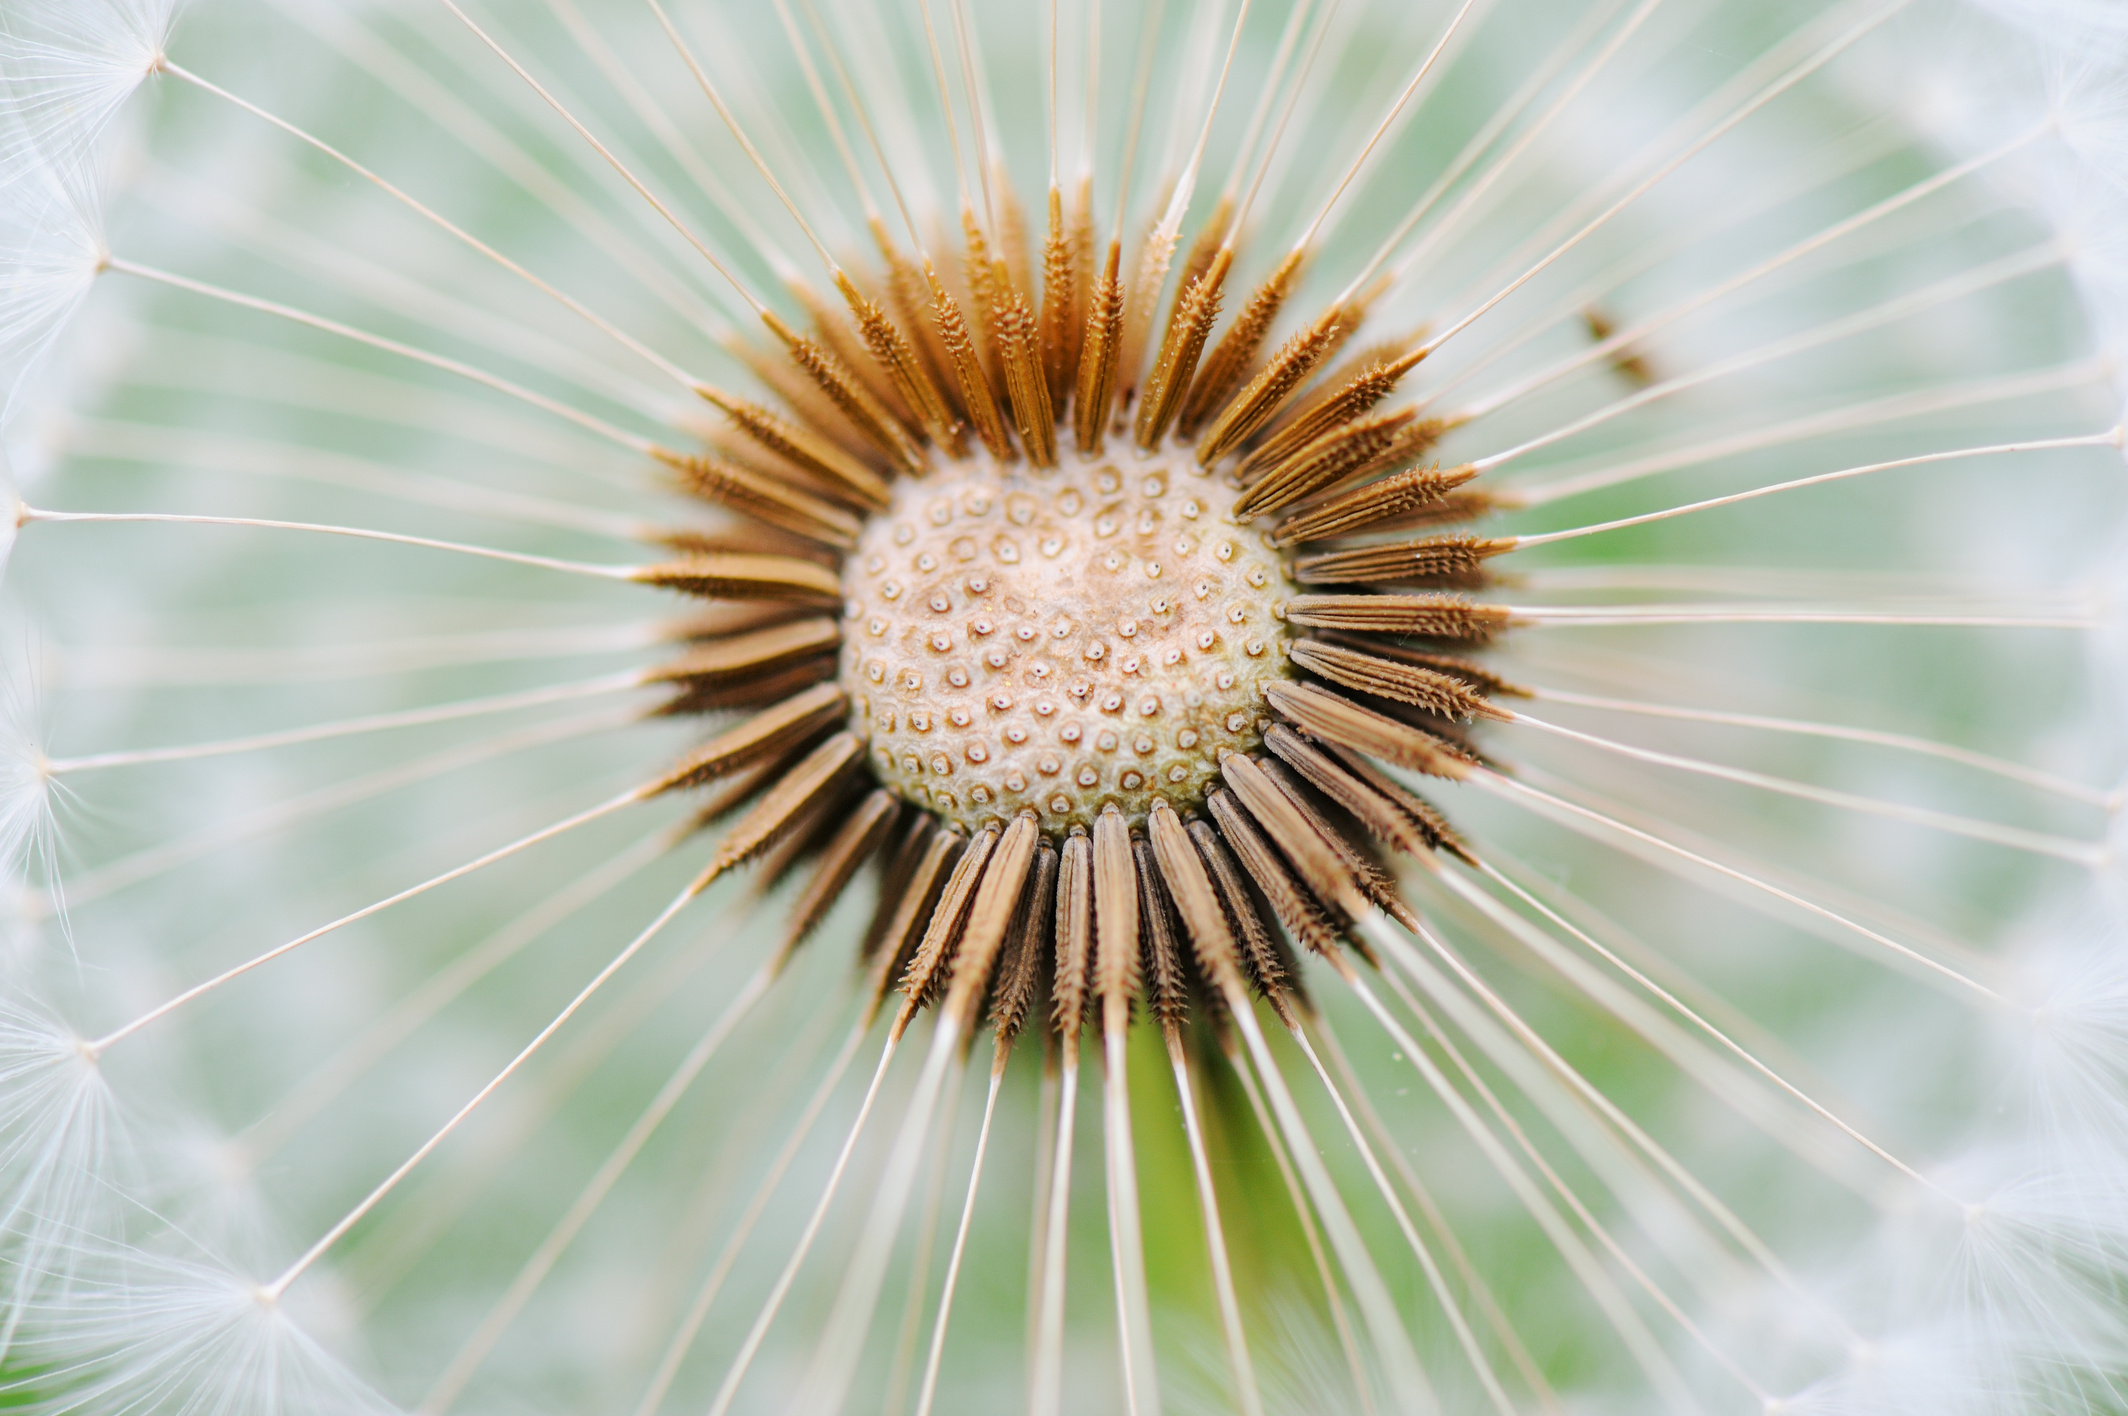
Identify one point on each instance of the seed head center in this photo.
(1056, 641)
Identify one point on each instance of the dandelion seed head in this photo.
(1155, 660)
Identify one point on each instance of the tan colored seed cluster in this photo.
(1059, 640)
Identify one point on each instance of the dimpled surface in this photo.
(1017, 639)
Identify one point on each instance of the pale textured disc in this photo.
(1055, 641)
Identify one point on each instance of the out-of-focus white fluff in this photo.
(189, 1340)
(51, 243)
(69, 66)
(56, 1140)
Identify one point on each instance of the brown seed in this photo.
(1196, 902)
(1328, 715)
(1268, 968)
(1339, 403)
(1297, 911)
(783, 805)
(1458, 558)
(809, 830)
(1469, 671)
(1063, 321)
(924, 978)
(974, 385)
(850, 397)
(842, 337)
(728, 483)
(1020, 968)
(750, 689)
(1075, 941)
(801, 445)
(734, 617)
(1373, 882)
(1383, 818)
(997, 901)
(749, 653)
(1012, 231)
(1289, 368)
(1435, 616)
(744, 577)
(1456, 506)
(986, 290)
(904, 914)
(1344, 451)
(1210, 240)
(1189, 325)
(1224, 368)
(1166, 983)
(1026, 385)
(1117, 976)
(898, 866)
(1421, 812)
(1099, 349)
(903, 366)
(1328, 875)
(1359, 508)
(790, 721)
(1422, 687)
(861, 834)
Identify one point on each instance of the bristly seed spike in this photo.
(863, 833)
(1339, 403)
(783, 804)
(1394, 496)
(1099, 350)
(985, 279)
(1265, 394)
(899, 361)
(990, 916)
(1455, 560)
(1075, 942)
(923, 980)
(1435, 616)
(1117, 977)
(1167, 986)
(1298, 913)
(1343, 452)
(1415, 684)
(1267, 966)
(789, 721)
(974, 384)
(728, 483)
(802, 446)
(1027, 952)
(1189, 325)
(1063, 321)
(1340, 720)
(850, 397)
(1224, 368)
(1019, 342)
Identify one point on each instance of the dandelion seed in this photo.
(1470, 654)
